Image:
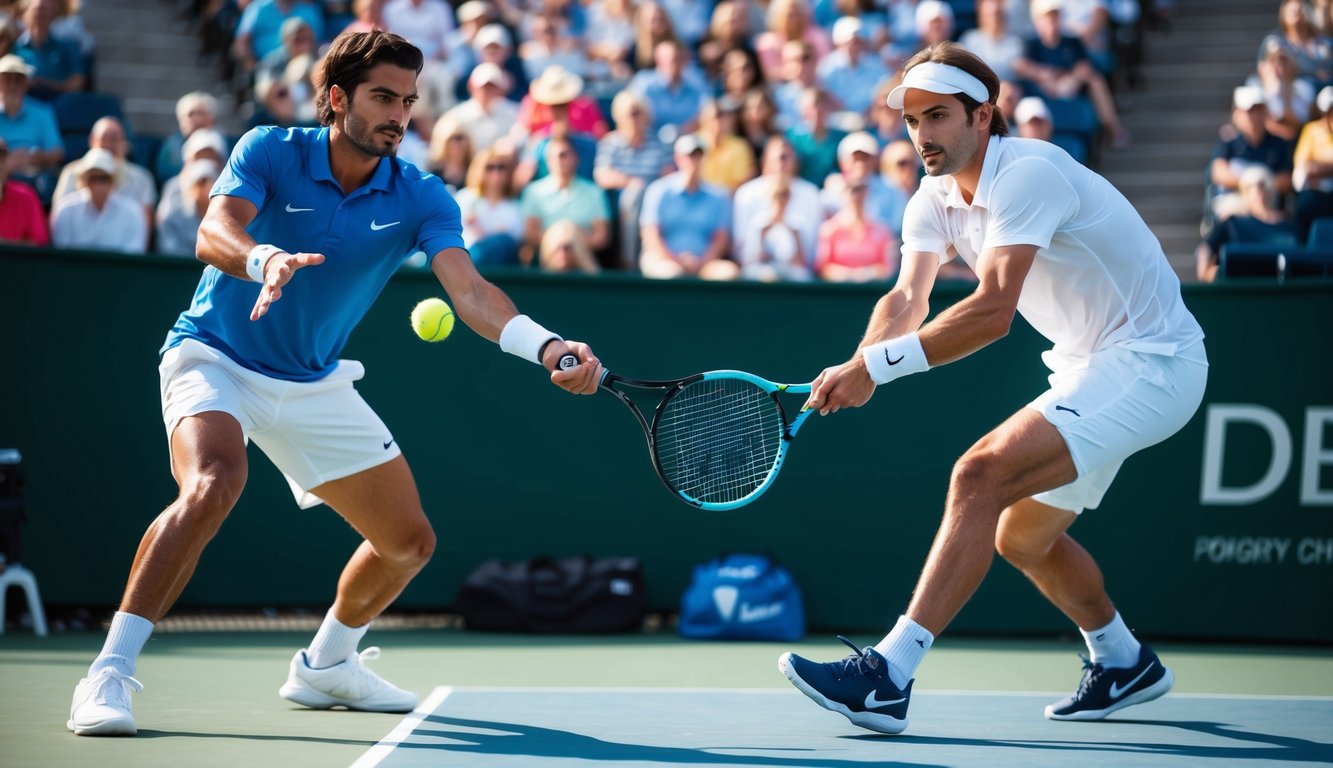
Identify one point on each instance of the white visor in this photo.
(938, 78)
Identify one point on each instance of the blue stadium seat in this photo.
(76, 112)
(144, 149)
(1074, 116)
(1321, 235)
(1253, 260)
(76, 144)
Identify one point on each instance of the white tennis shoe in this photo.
(346, 684)
(101, 705)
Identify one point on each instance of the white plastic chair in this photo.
(15, 575)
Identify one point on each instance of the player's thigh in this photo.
(383, 505)
(208, 455)
(1022, 456)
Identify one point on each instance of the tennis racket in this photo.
(716, 439)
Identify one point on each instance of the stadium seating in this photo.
(76, 112)
(1321, 235)
(1274, 261)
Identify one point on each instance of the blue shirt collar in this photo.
(321, 171)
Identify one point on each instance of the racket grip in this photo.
(567, 362)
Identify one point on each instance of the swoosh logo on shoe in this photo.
(1117, 691)
(872, 702)
(290, 209)
(377, 227)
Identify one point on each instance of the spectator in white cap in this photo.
(1312, 173)
(27, 126)
(487, 115)
(685, 222)
(1246, 142)
(179, 215)
(934, 22)
(1060, 67)
(1057, 243)
(851, 72)
(96, 217)
(493, 43)
(1033, 118)
(858, 163)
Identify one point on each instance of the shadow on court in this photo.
(511, 739)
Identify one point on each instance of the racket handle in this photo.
(567, 362)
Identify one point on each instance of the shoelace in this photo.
(1091, 673)
(115, 695)
(860, 662)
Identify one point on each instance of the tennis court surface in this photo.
(210, 699)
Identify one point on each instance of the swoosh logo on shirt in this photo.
(377, 227)
(1117, 691)
(290, 209)
(872, 702)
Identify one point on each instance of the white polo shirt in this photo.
(1100, 278)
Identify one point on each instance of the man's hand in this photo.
(842, 386)
(278, 272)
(583, 378)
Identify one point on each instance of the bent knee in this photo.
(209, 493)
(411, 549)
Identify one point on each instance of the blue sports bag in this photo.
(742, 597)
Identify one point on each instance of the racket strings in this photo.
(717, 440)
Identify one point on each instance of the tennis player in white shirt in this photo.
(1055, 242)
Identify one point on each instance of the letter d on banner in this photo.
(1214, 451)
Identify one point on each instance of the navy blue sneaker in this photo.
(1103, 691)
(858, 687)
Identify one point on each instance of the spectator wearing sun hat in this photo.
(557, 106)
(1312, 174)
(1247, 142)
(27, 126)
(858, 163)
(95, 216)
(851, 73)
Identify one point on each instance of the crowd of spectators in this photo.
(716, 138)
(1271, 174)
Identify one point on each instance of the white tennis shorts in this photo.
(1117, 403)
(313, 431)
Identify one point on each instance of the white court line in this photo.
(399, 734)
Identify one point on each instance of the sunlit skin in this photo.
(949, 143)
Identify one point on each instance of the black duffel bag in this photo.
(546, 595)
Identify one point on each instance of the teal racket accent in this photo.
(718, 439)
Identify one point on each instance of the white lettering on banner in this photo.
(751, 613)
(1317, 454)
(1315, 552)
(1262, 550)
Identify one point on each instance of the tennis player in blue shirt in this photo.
(305, 228)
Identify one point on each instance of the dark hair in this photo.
(955, 55)
(351, 56)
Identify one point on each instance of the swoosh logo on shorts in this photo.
(872, 702)
(1117, 691)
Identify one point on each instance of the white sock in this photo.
(904, 648)
(1113, 645)
(124, 642)
(334, 642)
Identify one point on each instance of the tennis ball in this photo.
(432, 319)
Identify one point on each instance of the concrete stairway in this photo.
(1190, 72)
(148, 57)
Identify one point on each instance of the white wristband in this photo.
(895, 358)
(524, 338)
(258, 259)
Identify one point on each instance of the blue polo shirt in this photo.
(688, 220)
(364, 237)
(32, 127)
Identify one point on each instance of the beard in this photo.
(951, 159)
(369, 140)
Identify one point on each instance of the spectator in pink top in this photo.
(21, 217)
(852, 248)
